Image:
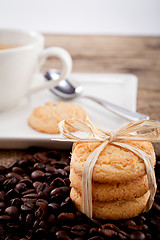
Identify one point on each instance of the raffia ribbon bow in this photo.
(143, 130)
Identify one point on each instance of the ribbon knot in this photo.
(143, 130)
(112, 136)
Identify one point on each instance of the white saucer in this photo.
(120, 89)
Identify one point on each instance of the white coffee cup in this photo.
(19, 64)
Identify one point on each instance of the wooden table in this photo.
(114, 54)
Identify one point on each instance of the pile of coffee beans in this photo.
(35, 204)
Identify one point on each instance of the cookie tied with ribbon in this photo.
(112, 172)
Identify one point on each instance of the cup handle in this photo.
(66, 60)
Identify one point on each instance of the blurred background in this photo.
(114, 17)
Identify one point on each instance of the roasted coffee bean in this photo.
(36, 184)
(28, 182)
(122, 235)
(12, 227)
(43, 224)
(156, 207)
(110, 226)
(13, 193)
(12, 211)
(62, 173)
(108, 233)
(39, 166)
(2, 196)
(79, 230)
(62, 235)
(95, 222)
(2, 179)
(14, 175)
(79, 238)
(130, 223)
(9, 238)
(137, 236)
(67, 169)
(36, 224)
(50, 169)
(16, 202)
(93, 231)
(41, 211)
(27, 206)
(53, 207)
(5, 218)
(20, 187)
(40, 233)
(3, 169)
(58, 182)
(37, 174)
(18, 170)
(60, 164)
(54, 155)
(67, 204)
(53, 231)
(51, 219)
(141, 220)
(44, 187)
(67, 182)
(29, 191)
(30, 219)
(96, 238)
(56, 191)
(2, 205)
(12, 164)
(67, 216)
(23, 163)
(9, 183)
(31, 195)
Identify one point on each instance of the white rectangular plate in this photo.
(120, 89)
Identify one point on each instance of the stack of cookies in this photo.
(119, 181)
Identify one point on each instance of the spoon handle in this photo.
(125, 113)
